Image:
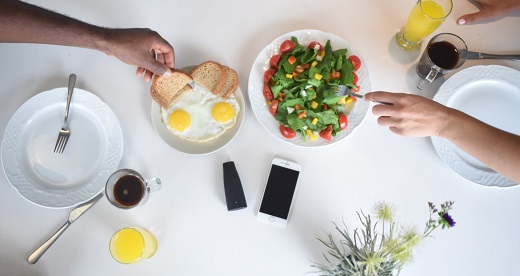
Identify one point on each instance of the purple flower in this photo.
(447, 220)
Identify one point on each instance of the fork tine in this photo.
(57, 146)
(65, 140)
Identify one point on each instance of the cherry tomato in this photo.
(343, 121)
(326, 133)
(356, 78)
(287, 46)
(268, 74)
(313, 44)
(273, 61)
(268, 94)
(355, 61)
(274, 107)
(287, 132)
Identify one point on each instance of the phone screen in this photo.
(279, 191)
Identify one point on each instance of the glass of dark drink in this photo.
(444, 52)
(126, 188)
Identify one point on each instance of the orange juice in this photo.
(426, 17)
(130, 245)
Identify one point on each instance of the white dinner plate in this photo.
(256, 83)
(197, 148)
(490, 94)
(62, 180)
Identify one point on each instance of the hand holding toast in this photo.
(143, 48)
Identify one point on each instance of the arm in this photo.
(490, 9)
(25, 23)
(412, 115)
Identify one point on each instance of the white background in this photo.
(196, 233)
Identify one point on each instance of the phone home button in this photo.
(271, 218)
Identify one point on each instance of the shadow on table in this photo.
(16, 264)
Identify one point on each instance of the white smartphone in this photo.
(282, 181)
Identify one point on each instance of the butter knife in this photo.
(73, 216)
(477, 55)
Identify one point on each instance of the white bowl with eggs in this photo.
(203, 135)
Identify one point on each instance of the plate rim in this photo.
(444, 147)
(114, 150)
(366, 86)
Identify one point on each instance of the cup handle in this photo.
(429, 78)
(153, 185)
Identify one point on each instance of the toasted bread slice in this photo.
(230, 83)
(167, 91)
(210, 75)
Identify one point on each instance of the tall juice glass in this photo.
(425, 17)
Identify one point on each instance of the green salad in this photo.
(300, 87)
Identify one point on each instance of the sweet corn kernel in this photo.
(318, 76)
(314, 104)
(314, 121)
(342, 101)
(314, 63)
(289, 76)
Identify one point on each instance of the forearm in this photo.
(498, 149)
(24, 23)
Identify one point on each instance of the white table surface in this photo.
(196, 233)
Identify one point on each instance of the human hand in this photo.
(143, 48)
(409, 115)
(490, 9)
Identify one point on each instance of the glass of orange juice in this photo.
(425, 17)
(132, 245)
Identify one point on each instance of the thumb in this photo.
(476, 17)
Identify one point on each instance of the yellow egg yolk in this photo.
(180, 120)
(222, 112)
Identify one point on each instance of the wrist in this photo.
(452, 123)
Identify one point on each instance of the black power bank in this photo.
(235, 198)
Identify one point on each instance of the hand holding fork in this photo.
(64, 134)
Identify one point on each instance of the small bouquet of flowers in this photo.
(382, 247)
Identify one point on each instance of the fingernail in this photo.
(167, 74)
(461, 21)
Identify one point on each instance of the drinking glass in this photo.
(126, 188)
(425, 17)
(132, 245)
(444, 52)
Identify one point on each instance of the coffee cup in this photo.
(127, 189)
(444, 52)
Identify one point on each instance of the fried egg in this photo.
(200, 116)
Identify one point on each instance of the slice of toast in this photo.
(210, 75)
(167, 91)
(230, 83)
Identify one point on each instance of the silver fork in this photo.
(344, 90)
(64, 134)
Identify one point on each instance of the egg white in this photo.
(198, 103)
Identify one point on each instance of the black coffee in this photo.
(128, 190)
(444, 54)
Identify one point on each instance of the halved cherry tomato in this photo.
(287, 46)
(268, 74)
(287, 132)
(313, 44)
(356, 78)
(326, 133)
(355, 61)
(343, 121)
(268, 94)
(274, 107)
(273, 61)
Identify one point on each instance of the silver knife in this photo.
(74, 215)
(477, 55)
